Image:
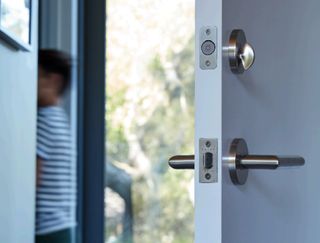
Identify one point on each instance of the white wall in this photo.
(18, 92)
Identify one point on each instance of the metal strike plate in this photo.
(208, 47)
(208, 160)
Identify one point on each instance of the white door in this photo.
(273, 107)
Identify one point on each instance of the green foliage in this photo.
(157, 69)
(163, 211)
(116, 139)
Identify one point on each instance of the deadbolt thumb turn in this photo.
(239, 161)
(240, 53)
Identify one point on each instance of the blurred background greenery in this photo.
(150, 116)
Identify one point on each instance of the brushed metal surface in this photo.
(239, 161)
(241, 54)
(208, 175)
(208, 48)
(181, 162)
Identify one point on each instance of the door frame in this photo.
(91, 119)
(91, 122)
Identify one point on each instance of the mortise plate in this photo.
(208, 160)
(208, 47)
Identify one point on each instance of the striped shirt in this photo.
(56, 187)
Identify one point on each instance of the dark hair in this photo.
(54, 61)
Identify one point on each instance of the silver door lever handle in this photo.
(240, 161)
(246, 162)
(181, 162)
(269, 161)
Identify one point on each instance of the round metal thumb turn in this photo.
(240, 52)
(239, 161)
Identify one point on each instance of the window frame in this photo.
(91, 119)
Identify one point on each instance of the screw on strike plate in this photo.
(208, 144)
(208, 63)
(208, 176)
(208, 31)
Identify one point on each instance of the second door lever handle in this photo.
(239, 161)
(182, 162)
(269, 161)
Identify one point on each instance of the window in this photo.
(149, 117)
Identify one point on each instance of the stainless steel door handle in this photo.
(239, 161)
(182, 162)
(241, 54)
(269, 161)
